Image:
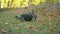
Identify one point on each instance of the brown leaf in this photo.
(51, 29)
(30, 27)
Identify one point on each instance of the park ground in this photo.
(48, 21)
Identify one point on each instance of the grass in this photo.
(43, 25)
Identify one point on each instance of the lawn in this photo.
(48, 22)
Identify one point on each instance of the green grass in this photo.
(8, 22)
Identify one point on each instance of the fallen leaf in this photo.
(51, 29)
